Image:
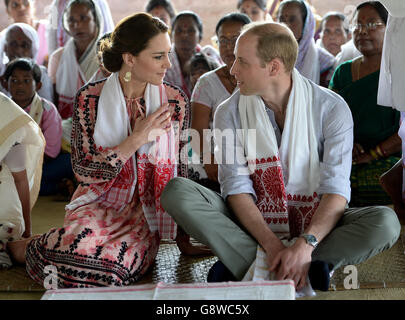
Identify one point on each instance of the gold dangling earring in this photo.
(128, 76)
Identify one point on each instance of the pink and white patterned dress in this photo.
(102, 243)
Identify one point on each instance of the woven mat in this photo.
(384, 270)
(16, 279)
(173, 267)
(170, 267)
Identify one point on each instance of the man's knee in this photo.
(172, 193)
(387, 223)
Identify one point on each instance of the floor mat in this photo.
(385, 270)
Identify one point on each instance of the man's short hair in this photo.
(272, 43)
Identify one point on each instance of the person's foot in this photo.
(17, 249)
(319, 275)
(220, 273)
(5, 261)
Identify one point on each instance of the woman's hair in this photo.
(233, 17)
(26, 65)
(201, 58)
(89, 3)
(382, 12)
(334, 14)
(300, 3)
(260, 3)
(195, 17)
(131, 35)
(166, 4)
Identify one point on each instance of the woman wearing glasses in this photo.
(211, 90)
(377, 145)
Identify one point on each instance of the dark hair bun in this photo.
(131, 35)
(112, 61)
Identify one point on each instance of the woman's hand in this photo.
(27, 234)
(147, 129)
(364, 158)
(358, 151)
(360, 156)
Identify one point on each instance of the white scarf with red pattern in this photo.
(285, 179)
(155, 162)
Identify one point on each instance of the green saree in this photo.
(373, 124)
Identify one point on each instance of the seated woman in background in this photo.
(114, 223)
(377, 145)
(255, 9)
(21, 150)
(313, 62)
(333, 32)
(187, 32)
(21, 41)
(72, 66)
(162, 9)
(22, 11)
(210, 91)
(23, 78)
(57, 35)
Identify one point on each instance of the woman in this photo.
(21, 149)
(21, 41)
(22, 11)
(72, 66)
(211, 90)
(187, 32)
(377, 145)
(114, 222)
(255, 9)
(162, 9)
(57, 35)
(313, 62)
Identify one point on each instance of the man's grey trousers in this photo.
(359, 235)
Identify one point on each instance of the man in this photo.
(333, 33)
(298, 179)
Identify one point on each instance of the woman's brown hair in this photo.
(131, 35)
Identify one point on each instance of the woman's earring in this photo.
(128, 76)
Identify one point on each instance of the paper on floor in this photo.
(249, 290)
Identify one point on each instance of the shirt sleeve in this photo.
(336, 158)
(233, 174)
(202, 93)
(15, 158)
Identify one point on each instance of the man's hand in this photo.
(293, 263)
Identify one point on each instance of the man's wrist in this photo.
(305, 243)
